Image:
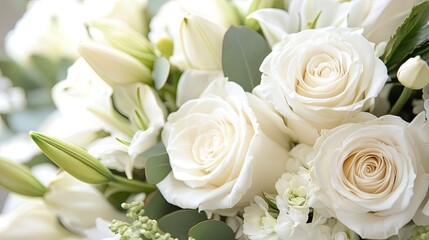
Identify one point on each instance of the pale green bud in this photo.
(73, 159)
(127, 40)
(202, 42)
(17, 178)
(166, 46)
(414, 73)
(256, 5)
(114, 66)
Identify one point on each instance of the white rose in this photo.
(371, 174)
(58, 32)
(78, 204)
(219, 145)
(379, 18)
(317, 78)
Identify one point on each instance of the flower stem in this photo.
(133, 186)
(403, 98)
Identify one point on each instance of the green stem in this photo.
(133, 185)
(403, 98)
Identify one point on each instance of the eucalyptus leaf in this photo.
(46, 68)
(409, 36)
(178, 223)
(157, 164)
(212, 230)
(243, 51)
(153, 6)
(156, 206)
(161, 70)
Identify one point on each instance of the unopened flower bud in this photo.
(74, 160)
(17, 178)
(414, 73)
(114, 66)
(127, 40)
(202, 42)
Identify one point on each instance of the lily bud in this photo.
(114, 66)
(126, 39)
(414, 73)
(18, 178)
(201, 42)
(73, 159)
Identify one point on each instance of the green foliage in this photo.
(212, 230)
(178, 223)
(157, 206)
(243, 51)
(160, 72)
(412, 35)
(157, 165)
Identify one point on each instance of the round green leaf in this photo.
(156, 206)
(161, 70)
(212, 230)
(243, 51)
(178, 223)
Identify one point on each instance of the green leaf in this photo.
(212, 230)
(243, 51)
(158, 164)
(161, 70)
(178, 223)
(409, 36)
(156, 206)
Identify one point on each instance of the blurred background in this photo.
(10, 12)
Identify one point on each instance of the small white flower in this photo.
(295, 195)
(258, 223)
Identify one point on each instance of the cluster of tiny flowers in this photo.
(142, 226)
(420, 233)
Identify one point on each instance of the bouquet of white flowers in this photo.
(227, 119)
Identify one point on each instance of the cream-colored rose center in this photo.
(211, 145)
(323, 76)
(368, 171)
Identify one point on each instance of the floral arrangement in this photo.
(225, 119)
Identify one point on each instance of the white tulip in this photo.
(78, 204)
(201, 42)
(379, 18)
(11, 98)
(58, 32)
(414, 73)
(33, 220)
(114, 66)
(166, 23)
(301, 15)
(130, 12)
(192, 84)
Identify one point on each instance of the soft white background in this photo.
(10, 12)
